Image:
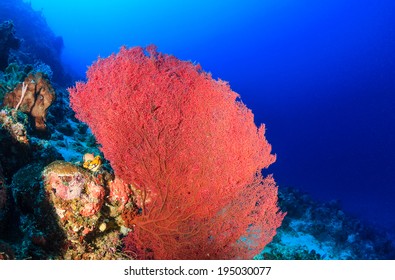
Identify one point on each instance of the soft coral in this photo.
(191, 151)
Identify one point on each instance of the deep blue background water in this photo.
(319, 74)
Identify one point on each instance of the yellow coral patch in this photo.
(92, 164)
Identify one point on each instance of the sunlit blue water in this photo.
(319, 74)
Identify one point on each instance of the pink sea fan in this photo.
(190, 149)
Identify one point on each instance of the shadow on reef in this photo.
(32, 218)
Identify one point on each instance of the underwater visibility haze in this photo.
(319, 74)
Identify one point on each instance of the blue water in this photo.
(319, 74)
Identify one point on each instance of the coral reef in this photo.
(34, 228)
(86, 210)
(38, 41)
(76, 197)
(15, 150)
(38, 97)
(8, 41)
(63, 211)
(190, 149)
(17, 129)
(60, 199)
(314, 230)
(15, 74)
(30, 227)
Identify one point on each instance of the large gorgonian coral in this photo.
(190, 149)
